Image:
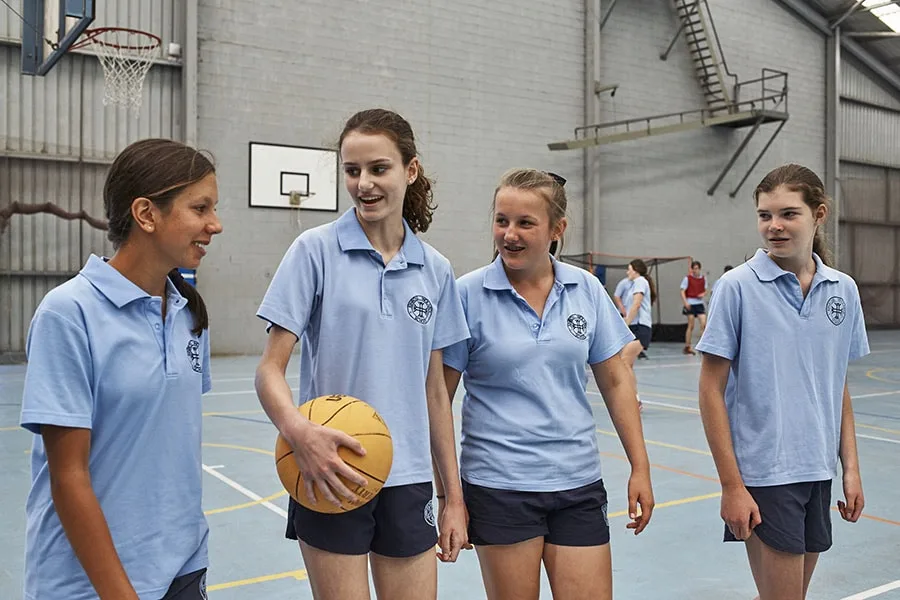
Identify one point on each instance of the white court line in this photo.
(236, 486)
(891, 393)
(877, 439)
(697, 411)
(236, 392)
(875, 591)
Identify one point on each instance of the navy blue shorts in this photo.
(695, 310)
(575, 517)
(643, 333)
(796, 517)
(191, 586)
(399, 522)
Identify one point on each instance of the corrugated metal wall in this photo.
(870, 194)
(56, 142)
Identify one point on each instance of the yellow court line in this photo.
(224, 509)
(664, 468)
(870, 375)
(10, 428)
(245, 448)
(299, 575)
(661, 444)
(885, 429)
(678, 502)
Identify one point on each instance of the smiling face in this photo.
(375, 176)
(522, 228)
(787, 224)
(188, 224)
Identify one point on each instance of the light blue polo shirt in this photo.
(100, 357)
(622, 288)
(789, 357)
(366, 329)
(527, 424)
(640, 286)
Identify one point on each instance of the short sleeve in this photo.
(296, 288)
(610, 333)
(859, 341)
(723, 327)
(450, 319)
(640, 286)
(684, 283)
(58, 389)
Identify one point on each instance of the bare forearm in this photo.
(443, 447)
(718, 434)
(87, 531)
(276, 397)
(848, 452)
(621, 402)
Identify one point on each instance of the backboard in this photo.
(277, 170)
(50, 29)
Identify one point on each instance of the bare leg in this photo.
(778, 575)
(579, 573)
(413, 578)
(336, 576)
(512, 572)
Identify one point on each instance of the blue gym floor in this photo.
(679, 556)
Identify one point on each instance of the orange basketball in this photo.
(356, 418)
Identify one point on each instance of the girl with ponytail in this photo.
(373, 307)
(782, 329)
(118, 359)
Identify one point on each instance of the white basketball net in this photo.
(126, 56)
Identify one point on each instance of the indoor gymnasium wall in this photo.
(654, 191)
(485, 85)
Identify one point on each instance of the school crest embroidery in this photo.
(420, 309)
(429, 513)
(577, 326)
(193, 352)
(836, 310)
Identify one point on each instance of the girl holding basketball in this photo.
(366, 297)
(782, 329)
(118, 358)
(530, 466)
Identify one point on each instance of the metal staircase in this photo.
(716, 81)
(723, 93)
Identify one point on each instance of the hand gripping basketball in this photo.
(342, 455)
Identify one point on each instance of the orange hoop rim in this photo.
(92, 36)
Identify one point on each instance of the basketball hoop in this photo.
(126, 56)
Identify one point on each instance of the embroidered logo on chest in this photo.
(420, 309)
(193, 352)
(577, 326)
(836, 310)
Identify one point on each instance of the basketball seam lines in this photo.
(337, 412)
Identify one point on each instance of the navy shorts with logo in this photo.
(191, 586)
(796, 517)
(399, 522)
(575, 517)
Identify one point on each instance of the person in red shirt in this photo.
(693, 291)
